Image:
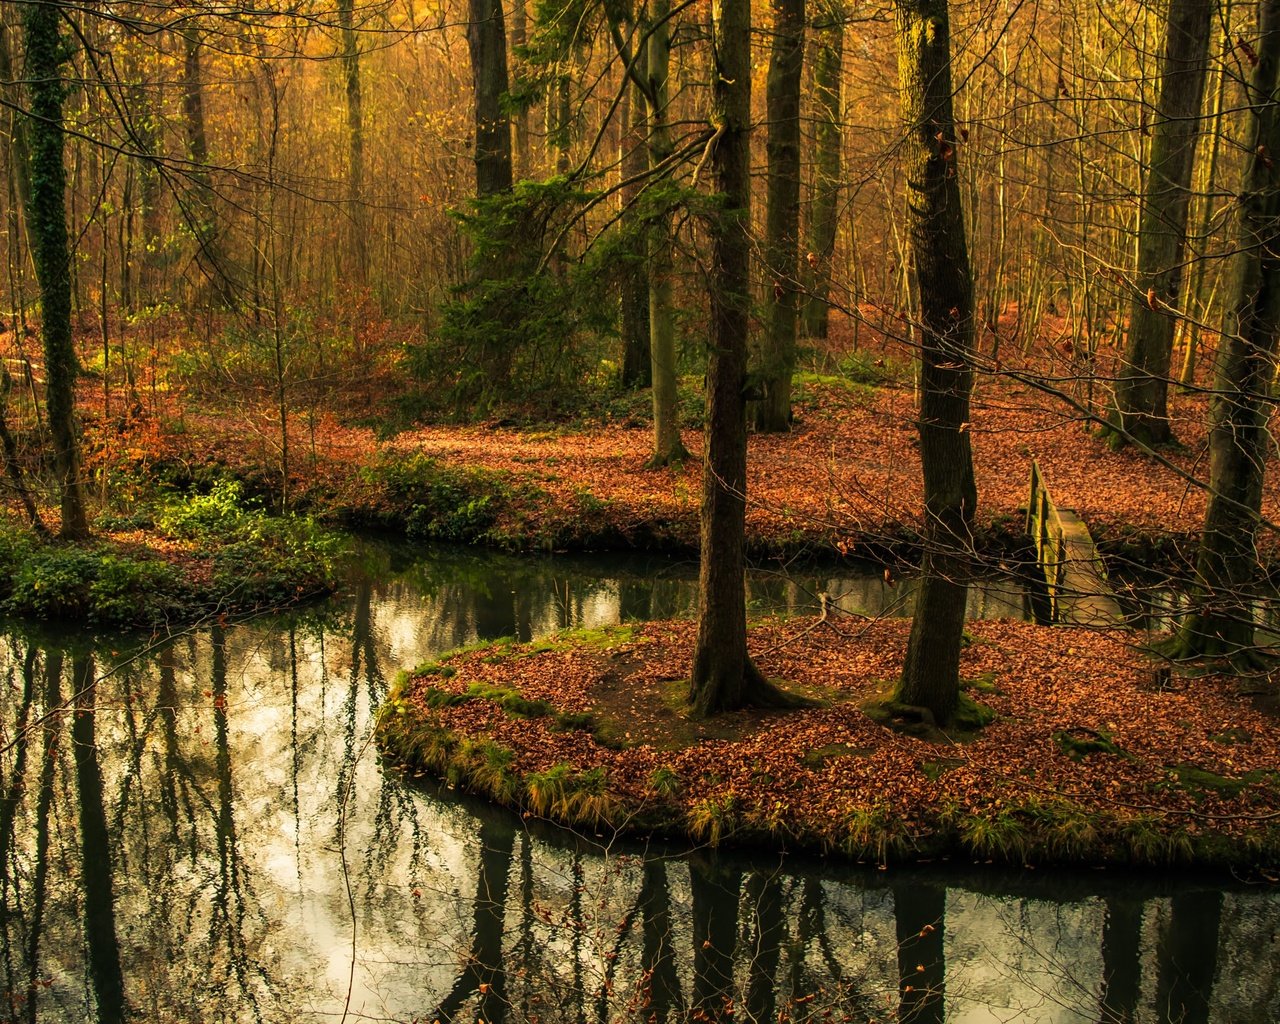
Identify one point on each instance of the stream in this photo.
(207, 834)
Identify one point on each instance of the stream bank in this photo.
(1090, 757)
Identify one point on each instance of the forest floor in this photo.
(1088, 760)
(846, 479)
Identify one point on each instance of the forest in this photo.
(496, 492)
(754, 289)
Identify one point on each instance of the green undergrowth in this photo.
(432, 500)
(230, 557)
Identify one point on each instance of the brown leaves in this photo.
(812, 773)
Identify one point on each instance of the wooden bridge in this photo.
(1079, 594)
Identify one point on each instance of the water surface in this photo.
(197, 828)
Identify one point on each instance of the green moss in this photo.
(985, 683)
(819, 756)
(601, 638)
(934, 770)
(1079, 743)
(1193, 777)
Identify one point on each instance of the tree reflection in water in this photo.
(169, 839)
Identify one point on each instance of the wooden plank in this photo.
(1079, 593)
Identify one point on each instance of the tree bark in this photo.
(47, 222)
(487, 43)
(782, 219)
(930, 675)
(520, 129)
(1222, 623)
(668, 447)
(202, 216)
(637, 368)
(1141, 398)
(828, 60)
(723, 675)
(357, 216)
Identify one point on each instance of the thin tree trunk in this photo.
(202, 215)
(1200, 310)
(828, 79)
(357, 216)
(930, 675)
(519, 35)
(637, 368)
(1142, 390)
(667, 444)
(722, 671)
(782, 222)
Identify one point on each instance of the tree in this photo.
(1141, 395)
(667, 444)
(828, 78)
(637, 365)
(1221, 624)
(47, 223)
(201, 214)
(487, 44)
(356, 215)
(931, 673)
(782, 223)
(724, 677)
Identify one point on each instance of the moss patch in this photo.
(1078, 743)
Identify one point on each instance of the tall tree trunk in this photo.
(637, 370)
(723, 675)
(1198, 304)
(1141, 398)
(828, 60)
(930, 675)
(47, 221)
(782, 220)
(1239, 409)
(357, 216)
(667, 444)
(487, 43)
(519, 36)
(201, 214)
(722, 671)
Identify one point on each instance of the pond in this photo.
(199, 829)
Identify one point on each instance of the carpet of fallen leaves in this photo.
(848, 473)
(830, 777)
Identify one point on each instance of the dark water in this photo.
(198, 829)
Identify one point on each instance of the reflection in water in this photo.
(199, 831)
